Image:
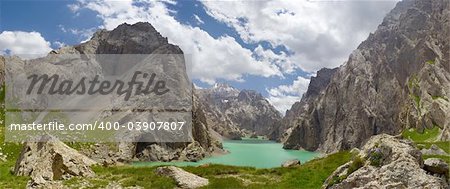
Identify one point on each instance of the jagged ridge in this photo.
(398, 78)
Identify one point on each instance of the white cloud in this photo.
(283, 96)
(283, 103)
(83, 34)
(59, 44)
(281, 60)
(212, 58)
(73, 7)
(315, 34)
(320, 34)
(24, 44)
(198, 19)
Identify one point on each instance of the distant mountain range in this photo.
(234, 114)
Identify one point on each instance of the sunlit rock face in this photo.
(137, 39)
(389, 162)
(142, 38)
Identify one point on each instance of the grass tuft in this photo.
(428, 135)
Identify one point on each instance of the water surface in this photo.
(248, 152)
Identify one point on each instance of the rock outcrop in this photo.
(126, 39)
(385, 162)
(291, 163)
(291, 119)
(396, 79)
(433, 150)
(436, 166)
(51, 160)
(142, 38)
(233, 113)
(182, 178)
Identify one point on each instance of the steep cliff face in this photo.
(233, 113)
(142, 38)
(139, 38)
(398, 78)
(316, 86)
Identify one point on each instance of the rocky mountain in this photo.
(142, 38)
(233, 113)
(398, 78)
(317, 84)
(136, 39)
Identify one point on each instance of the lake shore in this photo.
(248, 152)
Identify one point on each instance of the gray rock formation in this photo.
(142, 38)
(182, 178)
(139, 38)
(316, 86)
(291, 163)
(385, 162)
(51, 160)
(396, 79)
(436, 166)
(433, 150)
(233, 113)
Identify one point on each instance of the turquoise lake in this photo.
(248, 152)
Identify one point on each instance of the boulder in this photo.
(385, 162)
(291, 163)
(111, 162)
(50, 159)
(182, 178)
(436, 166)
(434, 150)
(155, 152)
(193, 152)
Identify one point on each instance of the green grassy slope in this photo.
(312, 174)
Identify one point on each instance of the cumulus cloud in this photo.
(319, 34)
(316, 34)
(24, 44)
(212, 59)
(59, 44)
(283, 103)
(283, 96)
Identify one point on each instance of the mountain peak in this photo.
(221, 85)
(320, 81)
(138, 38)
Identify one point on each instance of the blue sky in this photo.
(269, 46)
